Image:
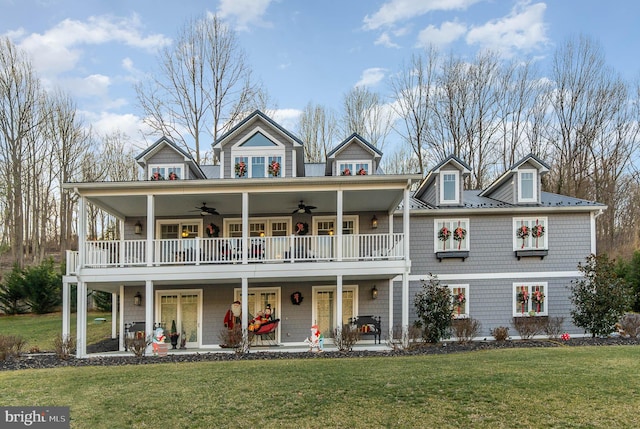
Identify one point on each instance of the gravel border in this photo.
(50, 360)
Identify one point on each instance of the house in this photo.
(319, 243)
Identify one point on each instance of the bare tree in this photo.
(317, 129)
(413, 94)
(203, 85)
(20, 99)
(365, 114)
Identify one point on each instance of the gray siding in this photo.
(506, 193)
(354, 151)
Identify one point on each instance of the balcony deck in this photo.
(201, 251)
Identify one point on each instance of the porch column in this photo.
(114, 315)
(148, 310)
(406, 224)
(121, 243)
(81, 313)
(66, 310)
(121, 320)
(405, 276)
(150, 221)
(244, 299)
(245, 229)
(339, 321)
(405, 307)
(338, 225)
(390, 309)
(82, 232)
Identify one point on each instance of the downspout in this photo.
(594, 216)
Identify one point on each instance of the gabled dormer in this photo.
(443, 185)
(353, 156)
(258, 147)
(164, 160)
(520, 184)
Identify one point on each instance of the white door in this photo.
(183, 307)
(325, 307)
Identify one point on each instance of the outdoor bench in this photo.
(368, 325)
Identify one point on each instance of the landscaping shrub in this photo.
(103, 300)
(346, 338)
(501, 333)
(12, 294)
(10, 346)
(465, 329)
(630, 324)
(138, 344)
(600, 297)
(64, 346)
(530, 326)
(554, 327)
(231, 338)
(434, 307)
(414, 333)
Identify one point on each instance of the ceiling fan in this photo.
(303, 208)
(204, 210)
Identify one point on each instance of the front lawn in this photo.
(561, 387)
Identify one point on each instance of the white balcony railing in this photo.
(196, 251)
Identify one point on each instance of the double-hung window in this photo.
(527, 186)
(165, 171)
(451, 235)
(354, 168)
(530, 233)
(260, 155)
(530, 299)
(449, 187)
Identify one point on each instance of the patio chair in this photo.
(266, 333)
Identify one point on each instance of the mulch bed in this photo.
(50, 360)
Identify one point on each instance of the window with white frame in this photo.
(165, 171)
(354, 168)
(460, 299)
(451, 235)
(530, 233)
(258, 156)
(449, 187)
(324, 310)
(530, 299)
(527, 186)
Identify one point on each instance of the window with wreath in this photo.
(530, 233)
(530, 299)
(460, 299)
(451, 235)
(354, 168)
(165, 172)
(260, 155)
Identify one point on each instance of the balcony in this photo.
(201, 251)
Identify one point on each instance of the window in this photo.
(530, 299)
(258, 156)
(449, 189)
(460, 298)
(451, 235)
(530, 233)
(527, 186)
(354, 168)
(165, 172)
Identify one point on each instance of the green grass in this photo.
(39, 330)
(564, 387)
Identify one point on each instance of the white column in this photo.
(245, 228)
(150, 222)
(82, 232)
(148, 310)
(339, 320)
(405, 276)
(81, 330)
(390, 309)
(121, 320)
(66, 310)
(114, 315)
(245, 314)
(406, 224)
(338, 226)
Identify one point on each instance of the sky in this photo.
(302, 51)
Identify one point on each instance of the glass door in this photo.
(258, 300)
(325, 307)
(183, 307)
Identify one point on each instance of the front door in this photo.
(325, 307)
(258, 299)
(183, 307)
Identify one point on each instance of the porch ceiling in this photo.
(281, 200)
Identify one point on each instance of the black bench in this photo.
(368, 325)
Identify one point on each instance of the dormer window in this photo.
(527, 186)
(165, 172)
(258, 156)
(449, 188)
(354, 168)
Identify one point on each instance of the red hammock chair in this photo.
(266, 329)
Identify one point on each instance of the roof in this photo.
(542, 167)
(358, 137)
(431, 175)
(252, 117)
(165, 141)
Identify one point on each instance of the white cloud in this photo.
(244, 12)
(104, 123)
(399, 10)
(385, 40)
(287, 118)
(523, 29)
(59, 49)
(371, 77)
(440, 37)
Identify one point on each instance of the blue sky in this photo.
(302, 51)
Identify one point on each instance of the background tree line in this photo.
(579, 115)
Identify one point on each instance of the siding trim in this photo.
(490, 276)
